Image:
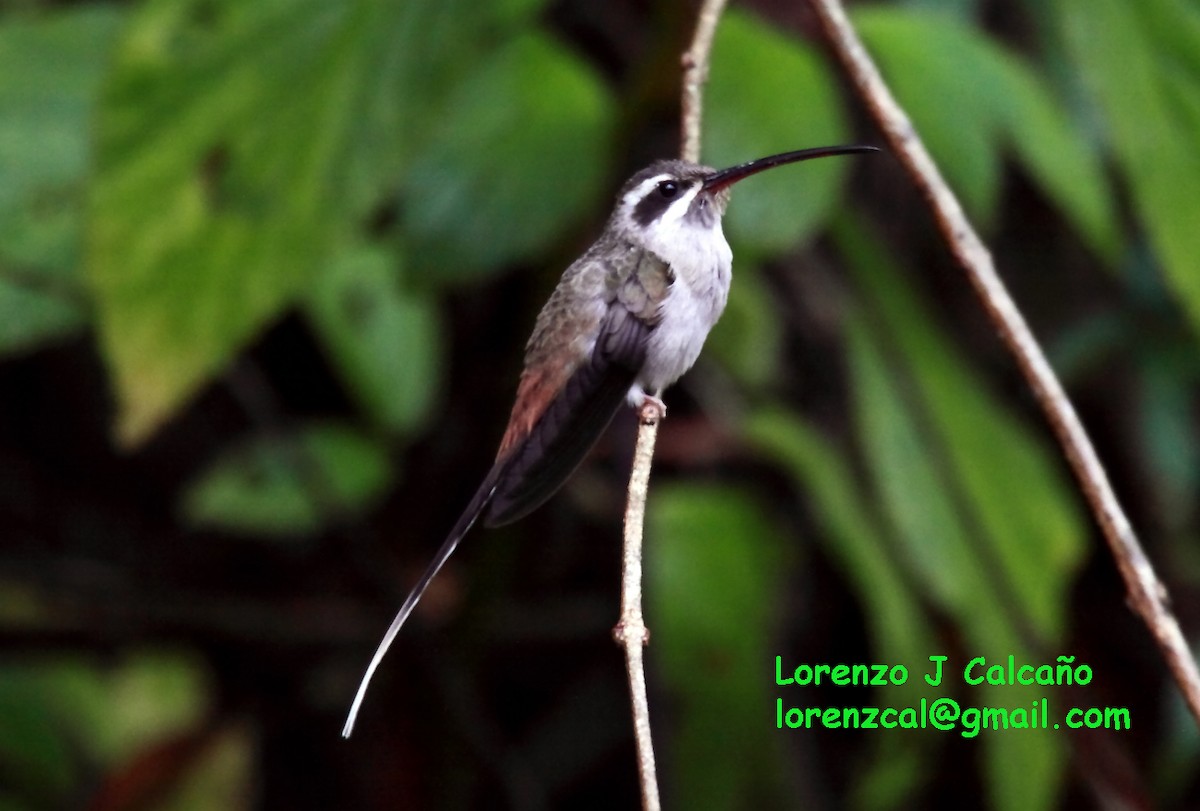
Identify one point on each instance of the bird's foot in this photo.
(653, 409)
(650, 407)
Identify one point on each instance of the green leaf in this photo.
(1170, 443)
(970, 99)
(519, 152)
(1024, 769)
(291, 485)
(911, 489)
(51, 67)
(918, 497)
(982, 513)
(50, 71)
(932, 63)
(899, 629)
(1174, 26)
(222, 776)
(1055, 153)
(1148, 88)
(217, 188)
(413, 72)
(237, 144)
(769, 93)
(963, 9)
(932, 526)
(713, 571)
(851, 539)
(35, 750)
(1021, 507)
(59, 714)
(149, 696)
(383, 340)
(37, 304)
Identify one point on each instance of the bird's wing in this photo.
(534, 465)
(554, 424)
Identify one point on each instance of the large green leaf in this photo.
(964, 9)
(519, 151)
(51, 67)
(220, 183)
(289, 485)
(1140, 62)
(50, 71)
(713, 586)
(770, 93)
(911, 491)
(932, 63)
(113, 724)
(1170, 440)
(383, 340)
(237, 143)
(920, 498)
(986, 518)
(899, 629)
(852, 539)
(1174, 25)
(1055, 152)
(918, 495)
(972, 99)
(1019, 495)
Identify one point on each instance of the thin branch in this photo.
(631, 632)
(1147, 595)
(695, 74)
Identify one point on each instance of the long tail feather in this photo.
(481, 499)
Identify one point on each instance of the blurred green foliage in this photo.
(179, 176)
(61, 720)
(711, 541)
(792, 100)
(289, 486)
(51, 71)
(969, 127)
(1141, 63)
(241, 147)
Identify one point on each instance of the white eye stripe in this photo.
(690, 190)
(664, 199)
(644, 188)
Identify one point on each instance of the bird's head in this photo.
(672, 196)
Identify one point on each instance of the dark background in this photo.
(266, 271)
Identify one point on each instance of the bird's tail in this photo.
(481, 499)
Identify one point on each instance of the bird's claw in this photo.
(653, 409)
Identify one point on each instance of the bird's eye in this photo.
(669, 189)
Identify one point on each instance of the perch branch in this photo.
(631, 632)
(1147, 596)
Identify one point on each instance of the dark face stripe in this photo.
(654, 205)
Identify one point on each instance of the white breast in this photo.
(702, 263)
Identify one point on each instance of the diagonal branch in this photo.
(1147, 595)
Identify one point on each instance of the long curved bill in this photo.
(727, 177)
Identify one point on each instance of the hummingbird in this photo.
(626, 320)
